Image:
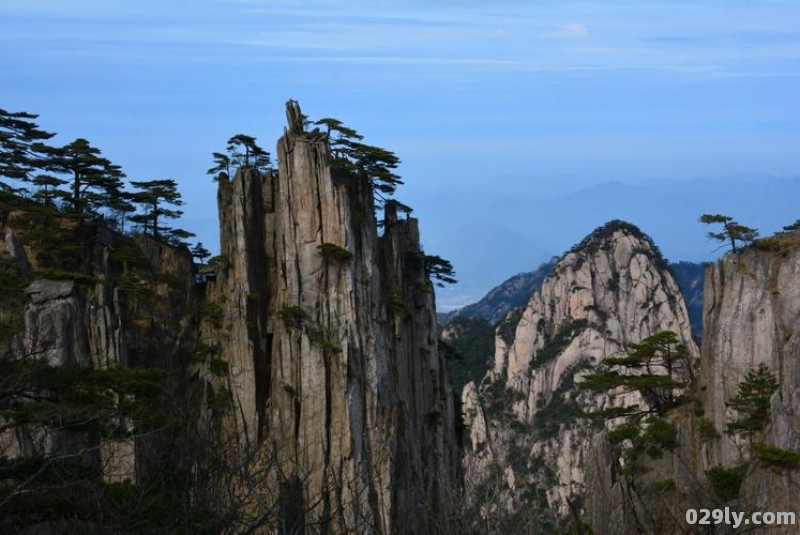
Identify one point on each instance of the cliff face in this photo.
(611, 290)
(328, 332)
(132, 307)
(529, 440)
(752, 306)
(301, 392)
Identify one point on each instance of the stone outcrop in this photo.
(751, 313)
(328, 331)
(111, 315)
(302, 362)
(611, 290)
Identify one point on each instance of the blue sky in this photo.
(482, 101)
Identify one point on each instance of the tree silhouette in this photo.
(20, 145)
(93, 179)
(373, 163)
(244, 153)
(440, 269)
(222, 165)
(731, 230)
(200, 252)
(152, 196)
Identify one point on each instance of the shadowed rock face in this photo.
(118, 316)
(329, 332)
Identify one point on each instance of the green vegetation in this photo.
(21, 147)
(470, 351)
(331, 251)
(568, 332)
(656, 368)
(152, 196)
(199, 252)
(60, 274)
(507, 328)
(601, 236)
(218, 367)
(499, 400)
(65, 485)
(706, 430)
(752, 402)
(94, 180)
(292, 316)
(212, 312)
(368, 161)
(242, 153)
(660, 434)
(726, 481)
(439, 269)
(782, 242)
(562, 408)
(775, 456)
(732, 231)
(73, 194)
(660, 366)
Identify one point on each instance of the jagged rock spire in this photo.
(294, 117)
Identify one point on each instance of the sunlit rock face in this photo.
(752, 316)
(612, 289)
(329, 332)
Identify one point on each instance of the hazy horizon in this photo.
(504, 115)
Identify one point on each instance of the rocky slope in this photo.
(133, 306)
(510, 294)
(531, 443)
(304, 389)
(525, 417)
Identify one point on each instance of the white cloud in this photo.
(574, 30)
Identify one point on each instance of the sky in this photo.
(496, 109)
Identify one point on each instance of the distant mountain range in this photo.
(487, 244)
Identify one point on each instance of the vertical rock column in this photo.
(348, 397)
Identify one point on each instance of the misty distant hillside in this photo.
(505, 229)
(690, 276)
(512, 293)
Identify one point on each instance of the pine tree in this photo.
(440, 269)
(48, 188)
(222, 166)
(752, 402)
(93, 180)
(246, 153)
(350, 155)
(20, 145)
(152, 196)
(655, 368)
(243, 152)
(731, 230)
(200, 252)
